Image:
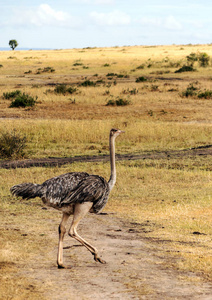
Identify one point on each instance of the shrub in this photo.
(23, 100)
(100, 81)
(11, 95)
(141, 67)
(111, 103)
(60, 89)
(111, 74)
(45, 70)
(185, 69)
(131, 92)
(191, 58)
(77, 64)
(87, 83)
(63, 89)
(206, 94)
(12, 145)
(118, 102)
(203, 59)
(117, 75)
(122, 102)
(190, 91)
(71, 90)
(154, 88)
(141, 79)
(48, 70)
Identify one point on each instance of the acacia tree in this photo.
(13, 44)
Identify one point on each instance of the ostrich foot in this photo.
(62, 266)
(98, 259)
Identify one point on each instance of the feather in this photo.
(91, 189)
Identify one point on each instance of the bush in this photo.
(191, 58)
(185, 69)
(111, 74)
(131, 92)
(71, 90)
(118, 102)
(60, 89)
(190, 91)
(45, 70)
(23, 100)
(63, 89)
(117, 75)
(11, 95)
(48, 70)
(141, 79)
(12, 145)
(87, 83)
(206, 94)
(77, 64)
(141, 67)
(203, 59)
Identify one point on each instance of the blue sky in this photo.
(60, 24)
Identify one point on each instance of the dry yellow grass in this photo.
(85, 137)
(171, 198)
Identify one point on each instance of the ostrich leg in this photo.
(80, 211)
(62, 231)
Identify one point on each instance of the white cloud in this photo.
(151, 21)
(43, 15)
(168, 22)
(113, 18)
(172, 23)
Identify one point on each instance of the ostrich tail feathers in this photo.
(26, 190)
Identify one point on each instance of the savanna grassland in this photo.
(79, 95)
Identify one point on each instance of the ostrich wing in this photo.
(92, 189)
(57, 188)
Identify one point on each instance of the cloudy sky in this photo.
(58, 24)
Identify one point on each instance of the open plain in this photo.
(155, 232)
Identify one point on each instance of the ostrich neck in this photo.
(112, 179)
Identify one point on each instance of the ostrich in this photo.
(74, 193)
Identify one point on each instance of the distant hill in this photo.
(19, 49)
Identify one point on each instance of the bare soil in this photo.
(56, 161)
(136, 268)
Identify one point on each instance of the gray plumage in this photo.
(74, 193)
(67, 189)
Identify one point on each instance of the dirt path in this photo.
(135, 269)
(56, 161)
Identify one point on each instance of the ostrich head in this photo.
(115, 132)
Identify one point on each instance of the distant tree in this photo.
(13, 44)
(204, 59)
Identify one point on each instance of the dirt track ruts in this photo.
(58, 161)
